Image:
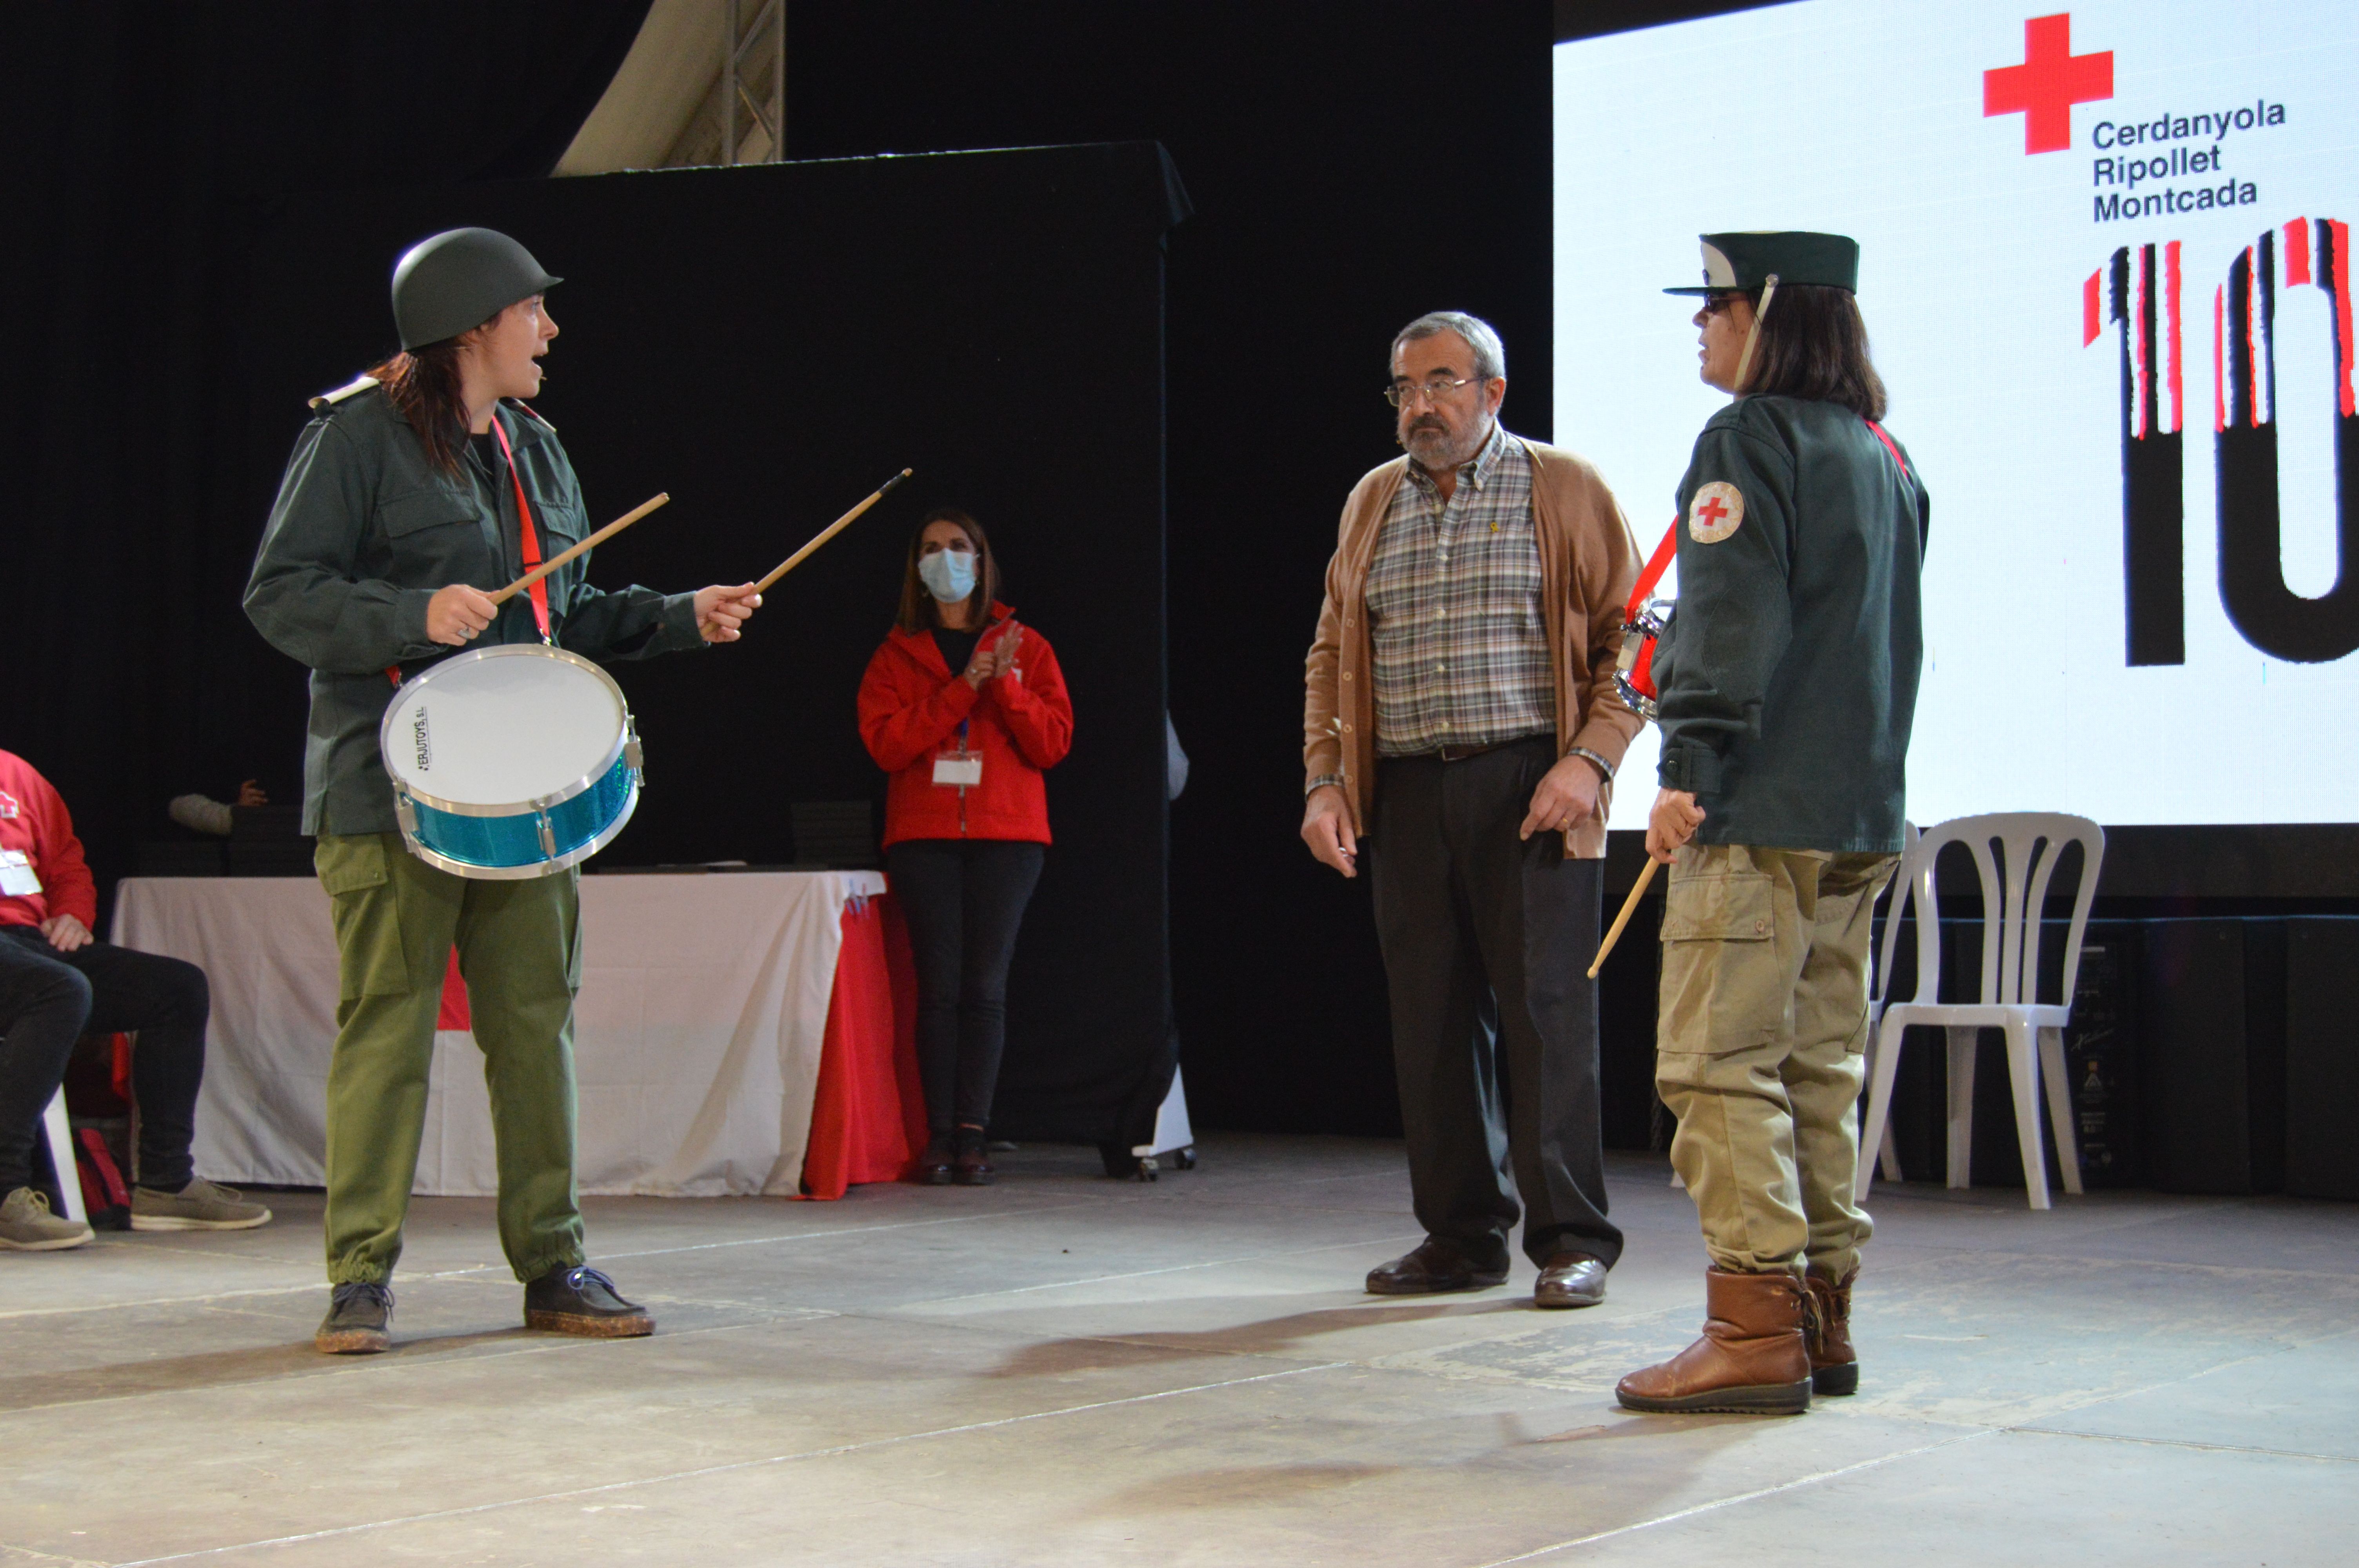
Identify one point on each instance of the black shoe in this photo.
(934, 1164)
(576, 1299)
(1436, 1265)
(969, 1162)
(359, 1321)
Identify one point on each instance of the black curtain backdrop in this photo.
(145, 145)
(1351, 168)
(767, 344)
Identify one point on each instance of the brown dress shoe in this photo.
(970, 1159)
(1752, 1359)
(1434, 1266)
(1570, 1279)
(1834, 1365)
(934, 1164)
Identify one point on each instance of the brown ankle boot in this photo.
(1834, 1365)
(1752, 1360)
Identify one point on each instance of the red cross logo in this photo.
(2051, 80)
(1711, 511)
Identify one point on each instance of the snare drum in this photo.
(511, 762)
(1633, 674)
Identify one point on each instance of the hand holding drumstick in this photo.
(1673, 821)
(721, 611)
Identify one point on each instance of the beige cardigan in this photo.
(1588, 565)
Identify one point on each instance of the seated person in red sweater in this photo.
(56, 981)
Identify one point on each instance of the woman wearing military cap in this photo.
(415, 489)
(1786, 685)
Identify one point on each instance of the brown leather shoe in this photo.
(934, 1164)
(1752, 1360)
(1570, 1279)
(970, 1159)
(1834, 1365)
(1434, 1266)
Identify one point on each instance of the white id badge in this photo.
(18, 880)
(958, 769)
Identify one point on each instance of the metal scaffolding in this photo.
(754, 111)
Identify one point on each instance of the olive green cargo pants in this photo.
(1759, 1048)
(519, 950)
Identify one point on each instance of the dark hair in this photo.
(1814, 345)
(422, 385)
(919, 612)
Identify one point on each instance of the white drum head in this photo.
(505, 727)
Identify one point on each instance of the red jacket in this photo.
(912, 704)
(32, 821)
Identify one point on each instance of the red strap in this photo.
(1656, 565)
(1889, 447)
(531, 538)
(539, 590)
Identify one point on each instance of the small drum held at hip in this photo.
(511, 762)
(1633, 674)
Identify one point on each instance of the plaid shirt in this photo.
(1453, 600)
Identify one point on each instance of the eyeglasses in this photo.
(1434, 390)
(1720, 304)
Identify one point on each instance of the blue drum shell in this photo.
(512, 842)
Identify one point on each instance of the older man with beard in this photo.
(1460, 719)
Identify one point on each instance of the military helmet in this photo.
(459, 279)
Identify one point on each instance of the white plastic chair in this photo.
(62, 1155)
(1896, 894)
(2028, 844)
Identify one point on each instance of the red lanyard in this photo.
(539, 590)
(531, 540)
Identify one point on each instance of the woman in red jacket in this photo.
(966, 816)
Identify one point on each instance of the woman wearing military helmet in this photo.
(413, 491)
(1786, 685)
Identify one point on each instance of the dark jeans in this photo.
(964, 899)
(48, 1000)
(1486, 940)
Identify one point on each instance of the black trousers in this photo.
(963, 899)
(48, 1000)
(1486, 940)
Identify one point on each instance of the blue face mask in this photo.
(949, 575)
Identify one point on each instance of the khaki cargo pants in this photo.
(1758, 1043)
(519, 950)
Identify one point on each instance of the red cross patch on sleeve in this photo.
(1716, 512)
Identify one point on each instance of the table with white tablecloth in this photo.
(697, 1035)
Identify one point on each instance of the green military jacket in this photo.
(365, 530)
(1787, 680)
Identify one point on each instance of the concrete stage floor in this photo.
(1063, 1369)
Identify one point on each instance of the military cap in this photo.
(459, 279)
(1743, 262)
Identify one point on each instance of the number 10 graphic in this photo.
(2139, 290)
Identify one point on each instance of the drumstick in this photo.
(608, 532)
(1629, 907)
(829, 532)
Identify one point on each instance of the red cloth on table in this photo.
(453, 1013)
(868, 1112)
